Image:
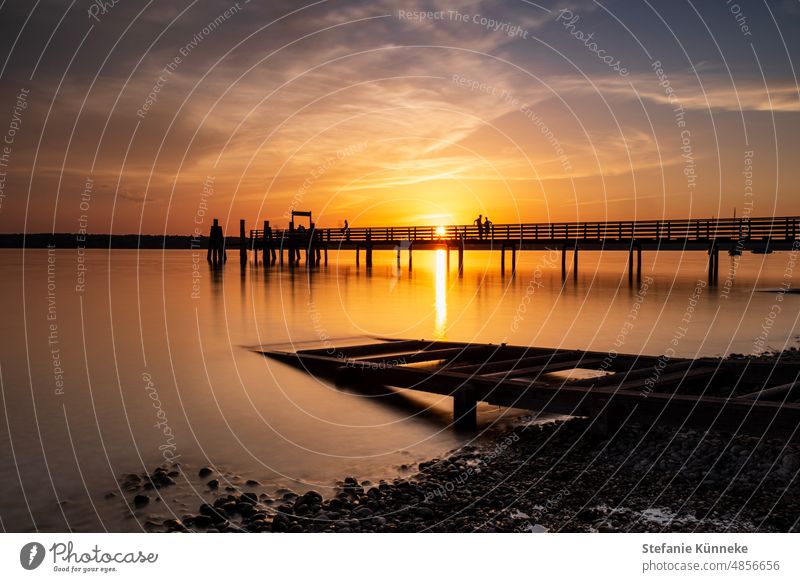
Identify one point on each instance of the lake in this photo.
(114, 362)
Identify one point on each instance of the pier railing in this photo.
(768, 228)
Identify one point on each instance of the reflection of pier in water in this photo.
(712, 236)
(752, 397)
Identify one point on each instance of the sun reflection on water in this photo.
(440, 326)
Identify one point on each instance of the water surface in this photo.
(153, 358)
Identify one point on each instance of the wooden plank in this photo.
(501, 365)
(547, 368)
(632, 374)
(372, 348)
(670, 380)
(786, 392)
(448, 354)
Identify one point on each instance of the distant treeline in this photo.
(103, 241)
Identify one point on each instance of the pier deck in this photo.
(712, 236)
(754, 397)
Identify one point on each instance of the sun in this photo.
(440, 231)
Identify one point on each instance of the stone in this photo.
(362, 512)
(141, 500)
(588, 515)
(425, 512)
(790, 462)
(204, 472)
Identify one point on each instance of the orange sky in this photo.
(354, 111)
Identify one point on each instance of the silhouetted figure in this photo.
(216, 245)
(478, 223)
(346, 230)
(303, 239)
(487, 228)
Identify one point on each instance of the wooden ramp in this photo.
(754, 397)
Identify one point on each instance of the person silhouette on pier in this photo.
(478, 223)
(487, 227)
(346, 230)
(217, 254)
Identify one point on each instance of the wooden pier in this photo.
(711, 236)
(746, 396)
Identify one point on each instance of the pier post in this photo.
(575, 262)
(358, 255)
(461, 257)
(712, 260)
(630, 265)
(291, 255)
(465, 409)
(326, 255)
(242, 244)
(368, 250)
(502, 258)
(639, 263)
(447, 258)
(398, 257)
(563, 264)
(410, 255)
(513, 260)
(264, 240)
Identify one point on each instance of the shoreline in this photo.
(554, 477)
(534, 476)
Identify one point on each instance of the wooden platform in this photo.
(753, 397)
(712, 236)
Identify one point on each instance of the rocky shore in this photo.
(556, 477)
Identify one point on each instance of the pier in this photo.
(744, 396)
(300, 244)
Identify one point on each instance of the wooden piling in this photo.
(639, 263)
(465, 408)
(265, 244)
(563, 264)
(461, 257)
(712, 258)
(630, 266)
(242, 244)
(575, 262)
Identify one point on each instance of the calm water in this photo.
(153, 358)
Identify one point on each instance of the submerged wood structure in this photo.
(711, 236)
(747, 396)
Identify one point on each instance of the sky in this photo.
(130, 116)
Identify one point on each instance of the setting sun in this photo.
(440, 231)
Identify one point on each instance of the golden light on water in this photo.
(440, 306)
